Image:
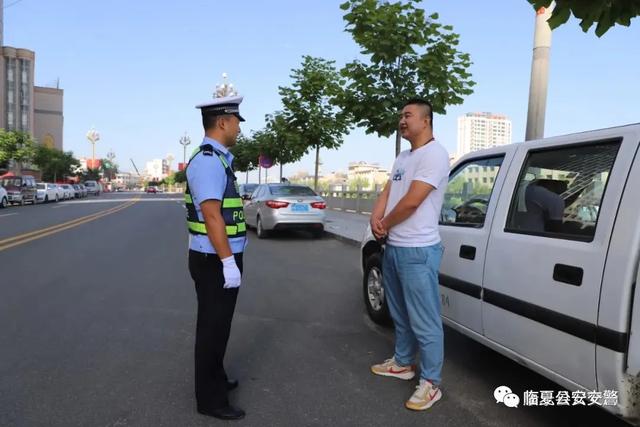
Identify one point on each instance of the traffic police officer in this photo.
(215, 220)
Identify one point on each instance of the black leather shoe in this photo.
(225, 413)
(232, 384)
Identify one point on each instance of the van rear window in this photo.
(560, 190)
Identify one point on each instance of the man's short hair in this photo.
(423, 103)
(210, 121)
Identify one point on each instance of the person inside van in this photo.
(545, 205)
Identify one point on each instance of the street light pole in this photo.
(539, 75)
(93, 137)
(184, 141)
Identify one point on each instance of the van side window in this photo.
(469, 191)
(560, 190)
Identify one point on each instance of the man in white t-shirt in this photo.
(406, 214)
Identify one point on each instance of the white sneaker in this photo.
(424, 397)
(389, 368)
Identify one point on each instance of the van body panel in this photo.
(460, 277)
(521, 267)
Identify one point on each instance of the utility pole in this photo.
(539, 75)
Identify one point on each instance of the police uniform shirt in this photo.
(207, 181)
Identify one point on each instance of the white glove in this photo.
(231, 273)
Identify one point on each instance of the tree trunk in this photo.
(266, 175)
(259, 175)
(398, 141)
(280, 172)
(246, 180)
(315, 179)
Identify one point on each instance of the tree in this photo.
(90, 175)
(180, 176)
(604, 13)
(410, 56)
(245, 154)
(17, 146)
(310, 109)
(280, 141)
(108, 168)
(54, 163)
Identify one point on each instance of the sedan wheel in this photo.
(261, 232)
(4, 202)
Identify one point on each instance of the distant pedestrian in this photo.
(406, 215)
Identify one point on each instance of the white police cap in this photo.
(221, 106)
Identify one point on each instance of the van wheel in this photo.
(22, 201)
(4, 202)
(261, 232)
(57, 198)
(373, 292)
(46, 199)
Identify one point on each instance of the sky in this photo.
(134, 70)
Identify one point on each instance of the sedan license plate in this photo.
(299, 207)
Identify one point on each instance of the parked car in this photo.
(93, 187)
(20, 189)
(285, 206)
(47, 192)
(4, 198)
(246, 190)
(541, 259)
(59, 191)
(83, 190)
(152, 189)
(69, 191)
(79, 194)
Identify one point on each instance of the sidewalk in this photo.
(346, 226)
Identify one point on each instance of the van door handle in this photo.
(468, 252)
(568, 274)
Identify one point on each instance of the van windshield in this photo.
(40, 186)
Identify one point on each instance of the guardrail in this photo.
(351, 201)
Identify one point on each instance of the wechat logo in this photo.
(503, 394)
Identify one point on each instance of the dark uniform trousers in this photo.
(215, 312)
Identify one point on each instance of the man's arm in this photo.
(377, 212)
(418, 192)
(216, 228)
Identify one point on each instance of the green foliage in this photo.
(410, 55)
(359, 183)
(245, 154)
(16, 145)
(280, 141)
(604, 13)
(180, 176)
(310, 110)
(53, 163)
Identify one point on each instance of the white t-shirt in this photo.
(429, 164)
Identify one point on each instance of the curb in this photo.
(343, 239)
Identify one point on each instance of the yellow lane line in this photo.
(38, 234)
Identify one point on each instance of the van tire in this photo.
(4, 203)
(373, 272)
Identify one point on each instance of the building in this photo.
(127, 180)
(369, 175)
(157, 169)
(24, 106)
(477, 131)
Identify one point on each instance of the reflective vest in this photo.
(231, 206)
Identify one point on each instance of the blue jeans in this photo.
(410, 281)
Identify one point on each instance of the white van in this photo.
(542, 247)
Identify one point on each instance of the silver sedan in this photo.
(285, 206)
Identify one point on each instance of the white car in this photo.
(69, 191)
(4, 199)
(59, 191)
(47, 192)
